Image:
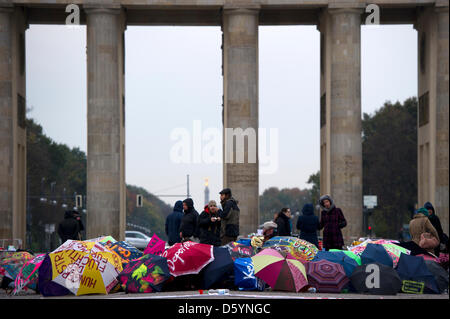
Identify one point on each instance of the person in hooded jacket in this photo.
(436, 222)
(308, 224)
(69, 228)
(282, 221)
(188, 227)
(229, 224)
(332, 220)
(173, 223)
(209, 225)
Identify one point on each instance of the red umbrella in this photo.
(188, 258)
(326, 276)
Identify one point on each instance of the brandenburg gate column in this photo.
(12, 123)
(341, 143)
(106, 121)
(240, 110)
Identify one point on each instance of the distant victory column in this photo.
(206, 192)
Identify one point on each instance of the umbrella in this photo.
(239, 251)
(299, 248)
(85, 267)
(102, 240)
(145, 274)
(412, 268)
(244, 275)
(327, 276)
(47, 287)
(439, 273)
(156, 246)
(392, 248)
(188, 258)
(219, 269)
(387, 283)
(279, 270)
(350, 254)
(28, 274)
(376, 253)
(12, 262)
(125, 251)
(338, 257)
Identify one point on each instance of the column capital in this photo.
(92, 8)
(340, 10)
(249, 8)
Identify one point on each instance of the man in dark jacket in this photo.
(283, 224)
(173, 222)
(229, 226)
(435, 221)
(332, 221)
(308, 224)
(69, 228)
(188, 227)
(209, 225)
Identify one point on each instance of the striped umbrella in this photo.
(280, 270)
(327, 276)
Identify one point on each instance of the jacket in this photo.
(332, 220)
(69, 228)
(188, 226)
(173, 223)
(308, 225)
(229, 225)
(209, 232)
(284, 227)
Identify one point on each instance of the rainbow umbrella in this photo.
(298, 248)
(28, 274)
(12, 262)
(327, 276)
(279, 270)
(394, 251)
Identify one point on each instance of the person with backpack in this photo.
(229, 228)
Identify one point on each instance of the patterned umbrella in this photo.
(280, 270)
(239, 250)
(298, 248)
(188, 258)
(12, 262)
(393, 250)
(125, 251)
(327, 276)
(146, 274)
(84, 267)
(28, 274)
(102, 240)
(244, 275)
(156, 246)
(338, 257)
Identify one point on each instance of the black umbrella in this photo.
(376, 279)
(439, 273)
(219, 269)
(413, 269)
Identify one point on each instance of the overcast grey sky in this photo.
(173, 77)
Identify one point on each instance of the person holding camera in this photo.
(209, 225)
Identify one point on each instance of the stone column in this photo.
(12, 123)
(105, 93)
(240, 76)
(341, 114)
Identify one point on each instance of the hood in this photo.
(322, 198)
(68, 214)
(428, 205)
(178, 206)
(206, 209)
(421, 212)
(308, 209)
(190, 204)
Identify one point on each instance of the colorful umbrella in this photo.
(350, 254)
(280, 270)
(146, 274)
(28, 274)
(393, 250)
(299, 248)
(327, 276)
(125, 251)
(156, 246)
(338, 257)
(103, 240)
(12, 262)
(240, 251)
(244, 275)
(85, 267)
(188, 258)
(376, 253)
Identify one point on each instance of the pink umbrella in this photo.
(327, 276)
(188, 258)
(156, 246)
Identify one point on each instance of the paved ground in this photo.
(232, 295)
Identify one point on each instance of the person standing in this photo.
(436, 222)
(332, 221)
(229, 226)
(188, 227)
(173, 223)
(69, 228)
(308, 224)
(282, 221)
(77, 216)
(209, 225)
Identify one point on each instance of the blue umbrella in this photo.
(244, 275)
(376, 254)
(219, 269)
(338, 257)
(413, 268)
